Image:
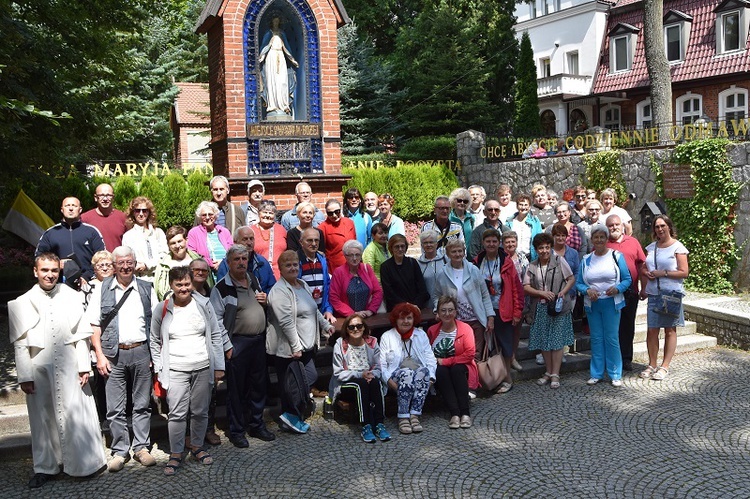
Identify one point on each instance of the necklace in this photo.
(263, 231)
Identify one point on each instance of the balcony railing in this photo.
(564, 84)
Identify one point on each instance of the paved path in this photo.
(687, 436)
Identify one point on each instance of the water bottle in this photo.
(558, 304)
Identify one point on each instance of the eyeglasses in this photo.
(106, 196)
(492, 210)
(207, 215)
(353, 197)
(141, 210)
(442, 207)
(124, 263)
(447, 310)
(103, 265)
(465, 201)
(594, 209)
(355, 327)
(332, 213)
(580, 196)
(305, 193)
(558, 213)
(353, 255)
(200, 271)
(399, 246)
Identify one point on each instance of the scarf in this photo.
(407, 335)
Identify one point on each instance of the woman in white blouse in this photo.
(148, 241)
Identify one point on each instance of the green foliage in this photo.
(151, 188)
(603, 171)
(526, 121)
(705, 222)
(74, 185)
(174, 209)
(413, 187)
(365, 95)
(197, 190)
(428, 148)
(125, 190)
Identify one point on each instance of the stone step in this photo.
(685, 343)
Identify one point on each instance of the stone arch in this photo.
(549, 123)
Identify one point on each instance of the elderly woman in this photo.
(453, 346)
(463, 281)
(294, 325)
(460, 199)
(547, 280)
(336, 230)
(178, 256)
(506, 295)
(510, 243)
(306, 213)
(270, 237)
(430, 263)
(402, 278)
(354, 210)
(407, 364)
(354, 287)
(578, 204)
(665, 270)
(507, 206)
(103, 265)
(561, 248)
(602, 280)
(608, 198)
(395, 225)
(209, 239)
(377, 251)
(188, 356)
(148, 242)
(574, 238)
(356, 373)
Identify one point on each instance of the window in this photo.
(689, 108)
(549, 123)
(573, 63)
(643, 114)
(551, 6)
(611, 117)
(730, 31)
(532, 9)
(731, 25)
(732, 105)
(544, 68)
(673, 42)
(578, 121)
(622, 41)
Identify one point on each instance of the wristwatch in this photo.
(666, 273)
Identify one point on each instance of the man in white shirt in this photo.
(120, 316)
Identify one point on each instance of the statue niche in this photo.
(278, 73)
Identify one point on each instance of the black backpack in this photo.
(297, 390)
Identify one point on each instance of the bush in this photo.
(125, 191)
(197, 190)
(152, 188)
(413, 187)
(603, 171)
(368, 160)
(420, 148)
(174, 209)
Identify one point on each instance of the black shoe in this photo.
(239, 442)
(39, 479)
(262, 434)
(627, 366)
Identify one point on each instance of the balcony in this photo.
(564, 85)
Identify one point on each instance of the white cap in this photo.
(253, 183)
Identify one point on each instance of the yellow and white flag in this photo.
(26, 219)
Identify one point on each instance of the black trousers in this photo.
(282, 363)
(627, 328)
(247, 381)
(453, 384)
(369, 399)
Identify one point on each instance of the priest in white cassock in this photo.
(53, 365)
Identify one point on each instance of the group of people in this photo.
(179, 310)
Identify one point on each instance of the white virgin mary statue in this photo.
(278, 81)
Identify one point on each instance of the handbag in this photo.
(671, 301)
(409, 362)
(491, 368)
(551, 310)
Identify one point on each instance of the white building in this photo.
(567, 37)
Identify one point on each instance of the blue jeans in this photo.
(412, 390)
(604, 323)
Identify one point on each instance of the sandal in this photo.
(202, 456)
(648, 372)
(404, 426)
(172, 465)
(416, 426)
(544, 379)
(660, 374)
(505, 387)
(555, 383)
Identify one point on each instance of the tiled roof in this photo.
(192, 104)
(700, 59)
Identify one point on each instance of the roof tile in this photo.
(192, 104)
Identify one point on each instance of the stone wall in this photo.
(730, 329)
(563, 172)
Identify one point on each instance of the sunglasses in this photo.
(141, 210)
(492, 210)
(332, 213)
(355, 327)
(462, 201)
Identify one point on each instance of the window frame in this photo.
(545, 67)
(680, 29)
(681, 114)
(641, 122)
(568, 58)
(630, 35)
(611, 123)
(724, 109)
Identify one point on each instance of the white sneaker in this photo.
(472, 394)
(539, 359)
(617, 382)
(592, 381)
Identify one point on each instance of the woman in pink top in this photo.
(209, 239)
(354, 287)
(270, 237)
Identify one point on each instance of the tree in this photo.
(365, 95)
(658, 67)
(526, 122)
(444, 72)
(382, 20)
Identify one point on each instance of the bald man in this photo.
(109, 221)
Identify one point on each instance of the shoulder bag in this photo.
(491, 368)
(671, 301)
